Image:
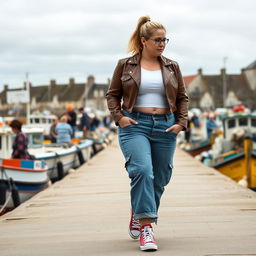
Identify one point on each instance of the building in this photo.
(55, 97)
(212, 91)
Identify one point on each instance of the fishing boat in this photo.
(59, 158)
(234, 155)
(20, 180)
(42, 121)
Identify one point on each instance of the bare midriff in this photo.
(152, 110)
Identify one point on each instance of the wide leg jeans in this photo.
(148, 150)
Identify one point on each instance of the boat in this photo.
(20, 180)
(234, 155)
(59, 158)
(196, 147)
(41, 121)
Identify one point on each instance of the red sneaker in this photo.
(134, 227)
(147, 239)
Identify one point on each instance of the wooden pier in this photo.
(202, 213)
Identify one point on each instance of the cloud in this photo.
(61, 38)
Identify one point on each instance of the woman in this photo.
(64, 131)
(153, 112)
(20, 144)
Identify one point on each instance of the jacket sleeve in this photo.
(181, 100)
(115, 93)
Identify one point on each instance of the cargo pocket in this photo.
(169, 175)
(127, 161)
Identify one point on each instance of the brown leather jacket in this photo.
(125, 85)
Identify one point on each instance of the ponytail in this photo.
(145, 28)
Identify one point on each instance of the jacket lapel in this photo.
(134, 69)
(167, 74)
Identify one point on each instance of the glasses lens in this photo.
(160, 40)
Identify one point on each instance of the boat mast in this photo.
(28, 103)
(224, 80)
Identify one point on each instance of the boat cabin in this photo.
(244, 121)
(35, 136)
(42, 121)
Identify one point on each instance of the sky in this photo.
(60, 39)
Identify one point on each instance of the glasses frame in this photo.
(158, 41)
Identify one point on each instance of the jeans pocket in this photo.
(126, 126)
(127, 160)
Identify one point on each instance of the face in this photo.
(155, 45)
(15, 130)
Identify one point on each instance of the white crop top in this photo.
(152, 90)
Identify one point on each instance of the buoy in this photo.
(80, 156)
(2, 192)
(15, 194)
(60, 170)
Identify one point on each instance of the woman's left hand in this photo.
(176, 128)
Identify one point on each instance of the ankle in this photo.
(144, 222)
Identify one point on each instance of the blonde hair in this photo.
(145, 28)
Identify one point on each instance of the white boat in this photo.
(41, 121)
(59, 158)
(20, 180)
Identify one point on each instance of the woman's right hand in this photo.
(126, 121)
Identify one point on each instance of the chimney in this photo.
(52, 83)
(200, 71)
(25, 87)
(90, 82)
(71, 81)
(6, 87)
(223, 72)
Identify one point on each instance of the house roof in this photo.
(189, 79)
(94, 87)
(251, 66)
(236, 83)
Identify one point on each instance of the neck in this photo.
(147, 57)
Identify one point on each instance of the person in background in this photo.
(210, 125)
(71, 119)
(53, 134)
(84, 122)
(20, 144)
(107, 121)
(147, 100)
(64, 131)
(95, 122)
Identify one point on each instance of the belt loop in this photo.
(138, 115)
(166, 117)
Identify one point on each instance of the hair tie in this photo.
(147, 21)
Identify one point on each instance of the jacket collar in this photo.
(135, 60)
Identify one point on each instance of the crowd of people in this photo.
(62, 130)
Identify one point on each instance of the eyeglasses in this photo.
(160, 40)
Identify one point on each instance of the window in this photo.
(35, 139)
(253, 122)
(37, 121)
(243, 121)
(101, 93)
(96, 93)
(231, 123)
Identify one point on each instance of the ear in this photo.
(143, 40)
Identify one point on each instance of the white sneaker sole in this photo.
(148, 247)
(131, 235)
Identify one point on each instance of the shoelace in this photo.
(147, 234)
(135, 223)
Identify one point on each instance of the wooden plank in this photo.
(202, 213)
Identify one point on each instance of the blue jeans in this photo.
(148, 152)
